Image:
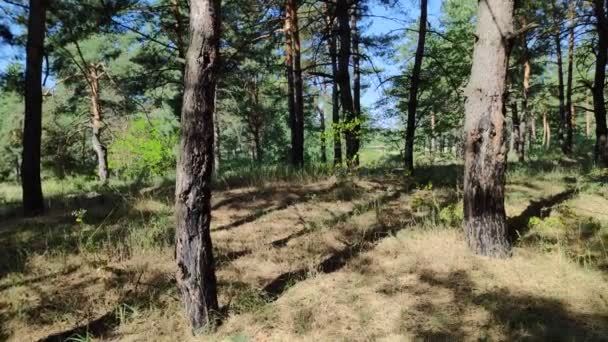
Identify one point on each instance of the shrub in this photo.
(146, 149)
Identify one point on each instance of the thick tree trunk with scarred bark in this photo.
(343, 80)
(194, 252)
(485, 146)
(33, 203)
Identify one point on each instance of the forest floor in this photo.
(372, 256)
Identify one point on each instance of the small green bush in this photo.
(146, 149)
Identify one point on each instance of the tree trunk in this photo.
(412, 104)
(298, 87)
(289, 69)
(560, 77)
(343, 80)
(335, 94)
(546, 131)
(97, 121)
(599, 107)
(323, 142)
(33, 203)
(516, 133)
(588, 124)
(569, 115)
(526, 118)
(356, 82)
(292, 33)
(433, 137)
(486, 149)
(194, 252)
(217, 152)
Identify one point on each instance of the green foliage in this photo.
(11, 113)
(146, 149)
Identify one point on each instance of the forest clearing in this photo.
(303, 170)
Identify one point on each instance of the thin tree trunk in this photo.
(485, 146)
(97, 121)
(546, 130)
(194, 252)
(516, 133)
(289, 69)
(560, 77)
(298, 87)
(433, 137)
(599, 106)
(412, 104)
(335, 94)
(527, 118)
(323, 140)
(343, 80)
(356, 82)
(33, 203)
(569, 114)
(588, 116)
(217, 152)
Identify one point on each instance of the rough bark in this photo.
(412, 104)
(194, 252)
(599, 107)
(33, 203)
(485, 146)
(97, 122)
(343, 80)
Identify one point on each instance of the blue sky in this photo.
(384, 21)
(381, 21)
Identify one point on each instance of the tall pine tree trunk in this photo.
(560, 77)
(412, 104)
(298, 86)
(289, 70)
(343, 79)
(335, 94)
(217, 152)
(485, 146)
(194, 252)
(356, 82)
(294, 77)
(599, 105)
(97, 122)
(569, 115)
(33, 203)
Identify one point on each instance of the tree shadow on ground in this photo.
(521, 317)
(144, 294)
(542, 208)
(332, 263)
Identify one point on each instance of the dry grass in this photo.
(361, 259)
